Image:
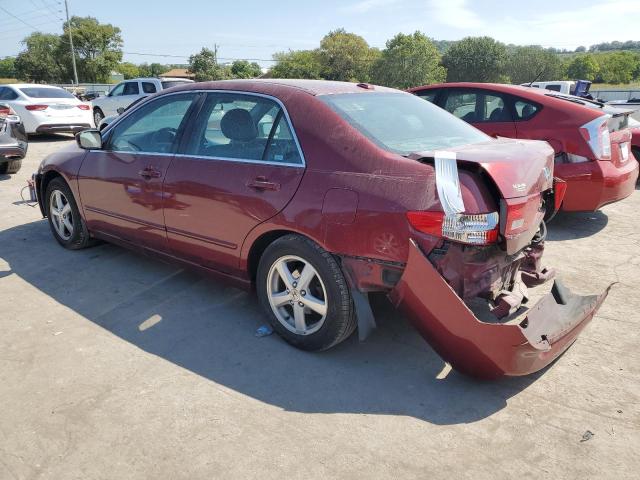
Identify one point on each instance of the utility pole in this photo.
(73, 53)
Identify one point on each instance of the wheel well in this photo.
(258, 248)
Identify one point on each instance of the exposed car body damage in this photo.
(488, 350)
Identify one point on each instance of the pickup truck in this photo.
(127, 92)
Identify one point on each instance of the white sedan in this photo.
(47, 109)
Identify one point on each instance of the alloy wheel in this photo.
(61, 214)
(297, 295)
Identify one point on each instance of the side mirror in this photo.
(120, 110)
(90, 139)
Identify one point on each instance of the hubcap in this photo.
(61, 215)
(297, 295)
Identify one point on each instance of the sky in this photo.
(168, 31)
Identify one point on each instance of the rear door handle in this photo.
(150, 172)
(261, 183)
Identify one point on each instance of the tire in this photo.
(58, 193)
(10, 167)
(327, 291)
(97, 117)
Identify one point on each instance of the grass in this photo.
(8, 80)
(616, 86)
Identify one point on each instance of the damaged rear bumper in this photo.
(489, 350)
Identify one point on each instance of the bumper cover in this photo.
(489, 350)
(62, 128)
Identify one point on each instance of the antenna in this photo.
(537, 77)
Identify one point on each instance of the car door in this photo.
(121, 184)
(486, 110)
(130, 94)
(109, 104)
(240, 166)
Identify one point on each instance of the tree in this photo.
(581, 49)
(129, 70)
(346, 56)
(152, 70)
(205, 66)
(526, 64)
(583, 67)
(297, 64)
(244, 69)
(475, 59)
(98, 48)
(8, 67)
(408, 61)
(40, 60)
(618, 67)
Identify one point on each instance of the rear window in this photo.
(403, 123)
(172, 83)
(148, 87)
(555, 88)
(525, 110)
(40, 92)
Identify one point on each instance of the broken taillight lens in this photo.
(596, 134)
(520, 213)
(474, 229)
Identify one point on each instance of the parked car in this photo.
(317, 193)
(127, 92)
(634, 126)
(46, 109)
(579, 88)
(106, 121)
(13, 140)
(591, 140)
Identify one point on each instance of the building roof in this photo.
(178, 73)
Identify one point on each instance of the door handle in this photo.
(261, 183)
(149, 172)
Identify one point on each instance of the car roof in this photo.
(29, 85)
(312, 87)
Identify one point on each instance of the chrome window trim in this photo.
(204, 157)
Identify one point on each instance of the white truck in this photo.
(127, 92)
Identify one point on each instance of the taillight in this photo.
(474, 229)
(5, 111)
(596, 134)
(83, 106)
(559, 191)
(518, 214)
(37, 108)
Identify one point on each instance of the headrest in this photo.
(237, 124)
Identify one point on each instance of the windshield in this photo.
(403, 123)
(40, 92)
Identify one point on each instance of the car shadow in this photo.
(209, 329)
(573, 225)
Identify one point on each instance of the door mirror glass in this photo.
(89, 139)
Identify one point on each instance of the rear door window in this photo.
(477, 106)
(525, 110)
(244, 127)
(148, 87)
(131, 88)
(555, 88)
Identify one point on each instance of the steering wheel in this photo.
(166, 135)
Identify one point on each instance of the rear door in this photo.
(239, 167)
(486, 110)
(121, 184)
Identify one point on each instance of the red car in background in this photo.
(317, 193)
(634, 126)
(591, 141)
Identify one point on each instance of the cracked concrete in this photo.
(117, 366)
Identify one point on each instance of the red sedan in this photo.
(318, 193)
(590, 140)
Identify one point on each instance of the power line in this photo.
(17, 18)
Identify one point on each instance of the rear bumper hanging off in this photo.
(489, 350)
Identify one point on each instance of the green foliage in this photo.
(610, 46)
(525, 64)
(618, 67)
(583, 67)
(153, 70)
(244, 69)
(408, 61)
(475, 59)
(129, 70)
(297, 64)
(7, 67)
(40, 61)
(98, 48)
(346, 56)
(205, 66)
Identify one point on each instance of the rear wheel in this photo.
(97, 116)
(12, 166)
(303, 291)
(66, 224)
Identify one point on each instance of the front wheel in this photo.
(303, 291)
(66, 224)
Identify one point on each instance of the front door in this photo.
(487, 111)
(240, 166)
(121, 184)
